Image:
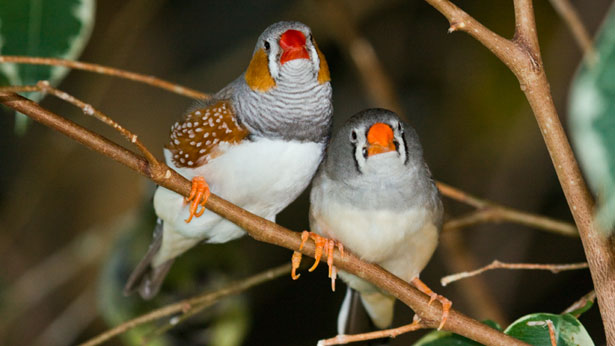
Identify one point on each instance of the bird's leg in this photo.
(322, 243)
(330, 247)
(198, 195)
(446, 304)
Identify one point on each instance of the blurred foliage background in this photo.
(74, 223)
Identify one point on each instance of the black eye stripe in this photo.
(403, 138)
(354, 157)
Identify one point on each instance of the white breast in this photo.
(400, 241)
(262, 176)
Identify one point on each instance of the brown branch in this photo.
(456, 256)
(87, 109)
(488, 211)
(387, 333)
(264, 230)
(554, 268)
(522, 56)
(96, 68)
(175, 321)
(565, 9)
(185, 305)
(492, 212)
(589, 297)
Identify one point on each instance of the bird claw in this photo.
(446, 304)
(198, 195)
(322, 243)
(295, 261)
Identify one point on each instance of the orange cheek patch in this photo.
(258, 76)
(323, 72)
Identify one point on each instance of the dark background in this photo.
(66, 212)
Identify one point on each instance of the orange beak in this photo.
(380, 139)
(292, 43)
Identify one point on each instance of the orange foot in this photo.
(321, 243)
(446, 304)
(198, 195)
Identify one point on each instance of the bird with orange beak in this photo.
(256, 143)
(374, 194)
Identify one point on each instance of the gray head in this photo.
(375, 159)
(282, 44)
(373, 142)
(285, 92)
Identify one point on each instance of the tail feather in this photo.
(146, 279)
(379, 306)
(355, 318)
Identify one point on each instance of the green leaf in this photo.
(568, 330)
(442, 338)
(592, 121)
(43, 28)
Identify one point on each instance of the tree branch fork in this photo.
(521, 55)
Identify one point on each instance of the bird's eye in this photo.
(396, 143)
(353, 136)
(267, 45)
(399, 127)
(310, 38)
(364, 152)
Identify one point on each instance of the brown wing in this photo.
(195, 139)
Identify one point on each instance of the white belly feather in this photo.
(262, 176)
(400, 241)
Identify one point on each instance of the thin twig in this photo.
(461, 196)
(175, 321)
(570, 16)
(589, 297)
(264, 230)
(186, 304)
(96, 68)
(387, 333)
(458, 258)
(87, 109)
(492, 212)
(554, 268)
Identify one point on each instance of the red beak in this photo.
(292, 43)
